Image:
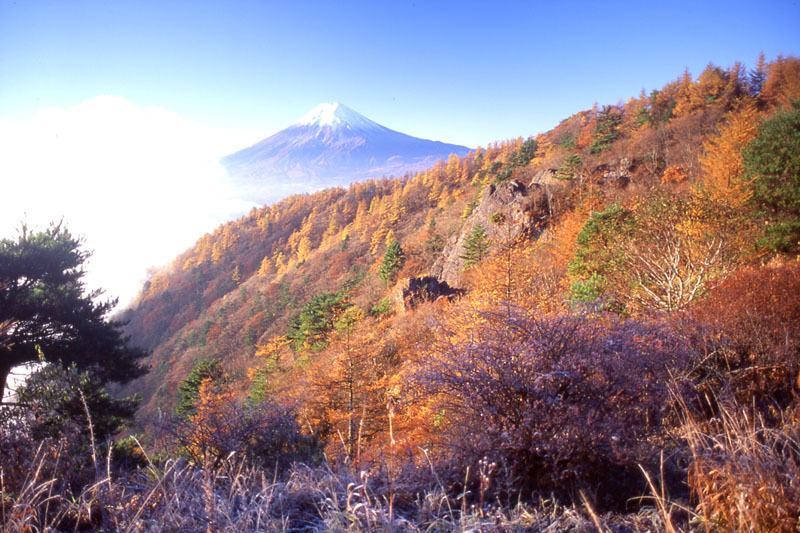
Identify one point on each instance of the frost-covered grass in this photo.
(236, 496)
(744, 477)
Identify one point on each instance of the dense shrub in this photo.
(56, 401)
(64, 409)
(221, 425)
(747, 331)
(558, 403)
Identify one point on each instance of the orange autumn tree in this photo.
(723, 169)
(347, 407)
(212, 423)
(502, 278)
(522, 273)
(221, 425)
(782, 84)
(262, 375)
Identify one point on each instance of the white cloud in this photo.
(140, 184)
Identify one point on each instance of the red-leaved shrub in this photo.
(747, 331)
(558, 403)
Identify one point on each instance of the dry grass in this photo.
(176, 496)
(745, 475)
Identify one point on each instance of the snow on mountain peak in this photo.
(322, 115)
(334, 114)
(329, 146)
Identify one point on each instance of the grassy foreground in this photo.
(743, 477)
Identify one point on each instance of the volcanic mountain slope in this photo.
(335, 303)
(514, 208)
(331, 145)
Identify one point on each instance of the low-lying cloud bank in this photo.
(140, 184)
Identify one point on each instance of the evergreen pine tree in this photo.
(189, 388)
(46, 309)
(475, 247)
(772, 164)
(393, 261)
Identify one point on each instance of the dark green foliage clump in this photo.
(598, 257)
(607, 129)
(309, 328)
(590, 290)
(772, 161)
(567, 141)
(518, 158)
(384, 308)
(526, 152)
(42, 294)
(570, 167)
(393, 261)
(595, 251)
(202, 370)
(657, 111)
(52, 405)
(475, 247)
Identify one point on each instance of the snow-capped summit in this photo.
(330, 145)
(336, 114)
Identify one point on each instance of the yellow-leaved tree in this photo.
(723, 170)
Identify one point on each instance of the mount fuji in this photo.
(329, 146)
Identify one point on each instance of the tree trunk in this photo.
(5, 370)
(8, 360)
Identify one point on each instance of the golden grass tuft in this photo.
(744, 475)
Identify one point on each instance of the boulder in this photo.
(618, 176)
(416, 291)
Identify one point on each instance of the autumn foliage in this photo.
(634, 287)
(751, 334)
(220, 425)
(558, 402)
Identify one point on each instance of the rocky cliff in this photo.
(506, 211)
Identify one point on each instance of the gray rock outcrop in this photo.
(415, 291)
(506, 211)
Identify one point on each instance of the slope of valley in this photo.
(635, 224)
(242, 283)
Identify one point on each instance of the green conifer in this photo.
(393, 261)
(475, 247)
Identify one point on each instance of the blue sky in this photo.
(465, 72)
(112, 114)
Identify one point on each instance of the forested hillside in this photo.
(663, 167)
(596, 313)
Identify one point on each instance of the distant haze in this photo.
(139, 184)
